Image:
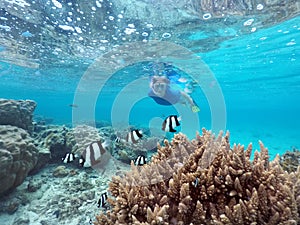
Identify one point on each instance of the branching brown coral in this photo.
(204, 181)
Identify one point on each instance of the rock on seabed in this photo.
(18, 156)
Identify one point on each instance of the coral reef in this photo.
(60, 171)
(17, 113)
(290, 160)
(51, 143)
(33, 185)
(55, 141)
(125, 152)
(46, 199)
(204, 181)
(18, 156)
(80, 137)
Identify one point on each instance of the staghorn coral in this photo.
(231, 189)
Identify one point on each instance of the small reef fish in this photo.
(140, 160)
(118, 140)
(102, 200)
(73, 105)
(92, 154)
(56, 213)
(170, 123)
(196, 182)
(133, 136)
(69, 157)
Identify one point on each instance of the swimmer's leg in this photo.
(195, 107)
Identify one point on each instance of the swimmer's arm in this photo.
(193, 105)
(188, 98)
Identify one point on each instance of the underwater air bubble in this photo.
(57, 4)
(129, 30)
(104, 41)
(206, 16)
(131, 25)
(94, 8)
(6, 28)
(66, 27)
(259, 7)
(253, 29)
(145, 34)
(248, 22)
(149, 25)
(21, 3)
(166, 35)
(98, 4)
(78, 30)
(292, 42)
(111, 18)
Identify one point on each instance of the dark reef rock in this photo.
(290, 160)
(60, 171)
(17, 113)
(21, 221)
(18, 156)
(56, 142)
(44, 156)
(51, 142)
(34, 185)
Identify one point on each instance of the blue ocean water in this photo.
(258, 75)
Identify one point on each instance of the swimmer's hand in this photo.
(195, 109)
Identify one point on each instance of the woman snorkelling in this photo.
(162, 92)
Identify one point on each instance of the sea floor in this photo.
(66, 194)
(58, 194)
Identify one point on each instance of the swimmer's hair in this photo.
(161, 79)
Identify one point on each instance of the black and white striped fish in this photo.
(140, 160)
(93, 153)
(69, 157)
(134, 135)
(102, 200)
(196, 182)
(118, 140)
(170, 123)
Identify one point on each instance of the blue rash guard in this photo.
(171, 97)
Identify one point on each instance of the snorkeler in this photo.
(162, 93)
